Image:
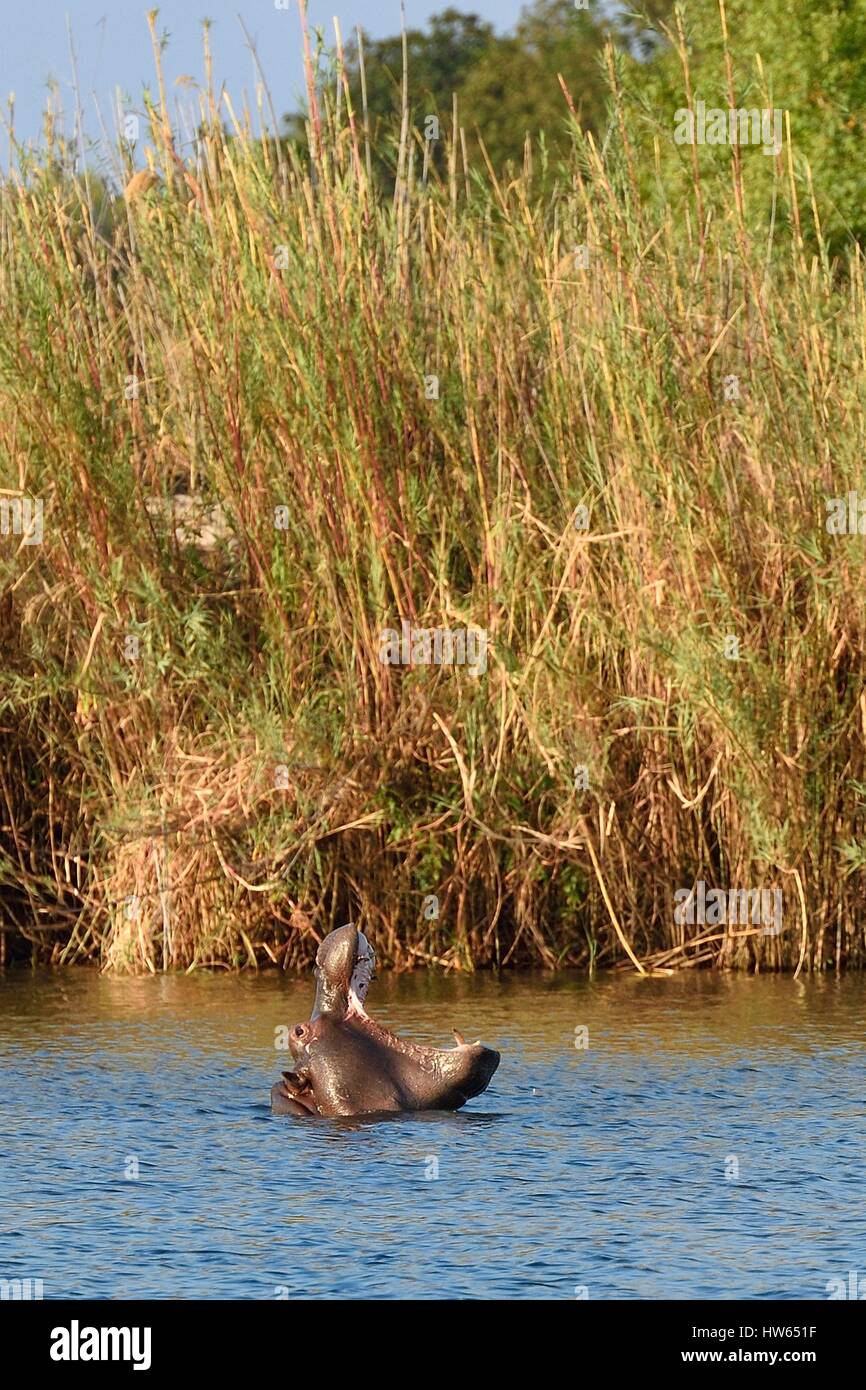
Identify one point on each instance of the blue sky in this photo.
(112, 48)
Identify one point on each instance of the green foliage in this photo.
(806, 60)
(440, 60)
(514, 91)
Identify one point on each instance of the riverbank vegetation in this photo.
(593, 404)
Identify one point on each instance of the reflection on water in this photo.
(708, 1142)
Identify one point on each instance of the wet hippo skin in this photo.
(347, 1064)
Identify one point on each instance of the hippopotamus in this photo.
(347, 1064)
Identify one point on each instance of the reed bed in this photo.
(426, 403)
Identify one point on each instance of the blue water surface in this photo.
(707, 1142)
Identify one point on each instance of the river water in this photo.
(708, 1142)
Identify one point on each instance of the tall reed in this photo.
(614, 462)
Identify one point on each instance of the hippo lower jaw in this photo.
(382, 1072)
(292, 1096)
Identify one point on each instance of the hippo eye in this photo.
(298, 1030)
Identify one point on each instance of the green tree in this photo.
(439, 63)
(506, 85)
(514, 91)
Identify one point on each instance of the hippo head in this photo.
(347, 1064)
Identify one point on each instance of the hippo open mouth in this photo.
(348, 1064)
